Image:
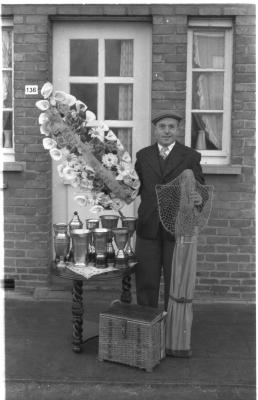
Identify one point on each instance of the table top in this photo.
(66, 273)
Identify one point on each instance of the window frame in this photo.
(217, 157)
(8, 153)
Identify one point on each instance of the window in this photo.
(7, 142)
(101, 75)
(209, 80)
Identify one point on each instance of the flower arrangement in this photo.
(92, 159)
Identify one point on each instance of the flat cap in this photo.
(157, 117)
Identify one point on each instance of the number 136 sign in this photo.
(31, 89)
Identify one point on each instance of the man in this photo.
(154, 245)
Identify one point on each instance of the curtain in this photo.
(209, 53)
(7, 63)
(125, 110)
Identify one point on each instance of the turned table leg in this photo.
(126, 296)
(77, 315)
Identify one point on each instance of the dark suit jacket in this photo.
(149, 171)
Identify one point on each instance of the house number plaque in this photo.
(31, 89)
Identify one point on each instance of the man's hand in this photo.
(196, 198)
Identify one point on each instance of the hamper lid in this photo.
(134, 312)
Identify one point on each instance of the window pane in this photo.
(119, 57)
(7, 89)
(208, 49)
(87, 93)
(7, 129)
(206, 131)
(7, 47)
(208, 89)
(118, 102)
(84, 57)
(125, 137)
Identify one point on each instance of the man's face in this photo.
(166, 131)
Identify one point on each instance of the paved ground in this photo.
(41, 365)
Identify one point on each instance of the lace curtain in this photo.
(7, 63)
(209, 53)
(125, 110)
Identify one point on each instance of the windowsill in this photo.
(222, 169)
(13, 166)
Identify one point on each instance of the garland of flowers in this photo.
(92, 158)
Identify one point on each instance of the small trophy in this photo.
(61, 243)
(121, 237)
(80, 241)
(100, 243)
(75, 223)
(130, 224)
(110, 222)
(92, 223)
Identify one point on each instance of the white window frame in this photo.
(8, 153)
(214, 157)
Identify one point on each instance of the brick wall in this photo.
(226, 250)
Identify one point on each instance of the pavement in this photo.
(40, 363)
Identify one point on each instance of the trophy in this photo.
(75, 223)
(92, 223)
(100, 243)
(110, 222)
(130, 224)
(121, 238)
(61, 243)
(80, 243)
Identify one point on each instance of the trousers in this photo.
(154, 257)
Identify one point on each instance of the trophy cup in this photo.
(100, 243)
(130, 224)
(110, 222)
(61, 243)
(75, 223)
(121, 238)
(92, 223)
(80, 242)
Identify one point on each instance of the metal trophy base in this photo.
(100, 262)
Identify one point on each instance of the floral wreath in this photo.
(92, 158)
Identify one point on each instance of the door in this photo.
(107, 65)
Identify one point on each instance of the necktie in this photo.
(164, 152)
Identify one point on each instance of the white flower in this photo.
(69, 173)
(80, 106)
(43, 129)
(99, 133)
(109, 160)
(119, 145)
(90, 116)
(49, 143)
(96, 209)
(111, 136)
(70, 100)
(46, 90)
(103, 126)
(42, 105)
(126, 157)
(60, 96)
(80, 199)
(43, 118)
(60, 169)
(55, 154)
(52, 101)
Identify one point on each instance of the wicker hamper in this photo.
(132, 335)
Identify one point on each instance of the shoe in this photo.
(179, 353)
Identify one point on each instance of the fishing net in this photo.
(177, 211)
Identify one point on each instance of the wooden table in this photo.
(77, 294)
